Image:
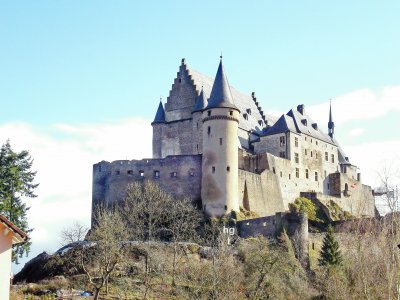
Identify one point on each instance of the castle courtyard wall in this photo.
(179, 176)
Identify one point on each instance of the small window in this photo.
(280, 173)
(248, 111)
(290, 176)
(213, 169)
(209, 113)
(316, 143)
(226, 207)
(220, 141)
(282, 154)
(129, 172)
(197, 146)
(296, 158)
(100, 168)
(326, 156)
(311, 153)
(231, 113)
(316, 155)
(197, 125)
(306, 173)
(118, 172)
(228, 168)
(245, 116)
(316, 176)
(305, 151)
(332, 158)
(209, 130)
(174, 174)
(156, 174)
(296, 142)
(282, 141)
(325, 173)
(297, 173)
(328, 186)
(141, 173)
(273, 169)
(179, 80)
(191, 174)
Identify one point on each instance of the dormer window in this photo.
(209, 113)
(260, 122)
(248, 111)
(245, 116)
(304, 121)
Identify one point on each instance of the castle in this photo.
(215, 145)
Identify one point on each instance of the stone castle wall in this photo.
(179, 176)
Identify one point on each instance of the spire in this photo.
(201, 102)
(331, 124)
(160, 114)
(221, 93)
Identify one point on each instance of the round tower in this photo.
(219, 190)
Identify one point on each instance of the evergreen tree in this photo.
(16, 182)
(330, 252)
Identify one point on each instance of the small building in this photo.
(9, 236)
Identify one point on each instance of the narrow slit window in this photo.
(213, 169)
(220, 141)
(228, 168)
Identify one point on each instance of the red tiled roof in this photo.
(13, 227)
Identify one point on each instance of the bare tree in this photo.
(153, 215)
(104, 249)
(73, 234)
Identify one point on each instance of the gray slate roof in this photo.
(160, 114)
(221, 93)
(201, 102)
(242, 101)
(293, 121)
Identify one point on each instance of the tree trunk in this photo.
(96, 294)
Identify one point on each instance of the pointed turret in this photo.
(201, 102)
(160, 114)
(331, 124)
(221, 93)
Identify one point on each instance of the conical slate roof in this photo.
(160, 115)
(221, 93)
(201, 102)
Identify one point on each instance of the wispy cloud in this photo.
(63, 157)
(362, 104)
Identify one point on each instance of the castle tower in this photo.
(331, 124)
(219, 189)
(197, 123)
(158, 124)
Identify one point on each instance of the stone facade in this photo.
(227, 156)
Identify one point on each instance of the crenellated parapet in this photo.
(178, 175)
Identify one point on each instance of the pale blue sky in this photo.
(89, 61)
(80, 80)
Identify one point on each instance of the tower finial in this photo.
(220, 56)
(331, 124)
